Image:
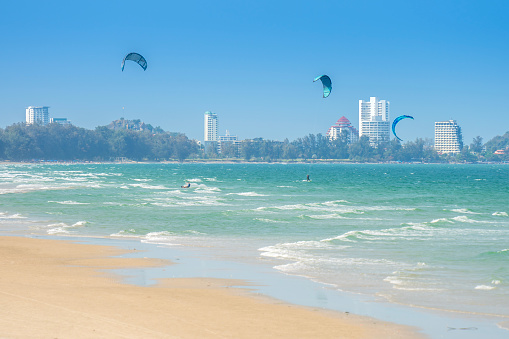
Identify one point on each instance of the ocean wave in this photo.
(500, 214)
(70, 202)
(464, 211)
(130, 233)
(11, 216)
(248, 194)
(485, 287)
(64, 228)
(150, 187)
(440, 220)
(162, 238)
(271, 221)
(465, 219)
(325, 216)
(206, 189)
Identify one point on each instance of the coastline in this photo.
(67, 289)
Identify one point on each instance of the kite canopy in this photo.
(138, 58)
(395, 122)
(327, 84)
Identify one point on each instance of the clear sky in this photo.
(253, 63)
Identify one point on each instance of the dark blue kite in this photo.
(138, 58)
(398, 119)
(327, 84)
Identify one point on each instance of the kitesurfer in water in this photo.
(307, 178)
(186, 185)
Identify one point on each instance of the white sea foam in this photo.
(58, 230)
(150, 187)
(70, 202)
(327, 216)
(206, 189)
(464, 211)
(485, 287)
(11, 216)
(434, 221)
(465, 219)
(248, 194)
(163, 238)
(500, 214)
(131, 233)
(271, 221)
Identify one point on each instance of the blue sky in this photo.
(253, 63)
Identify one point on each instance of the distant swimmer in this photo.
(307, 178)
(186, 185)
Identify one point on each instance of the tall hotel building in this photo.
(447, 137)
(37, 115)
(210, 132)
(374, 120)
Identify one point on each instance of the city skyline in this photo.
(256, 63)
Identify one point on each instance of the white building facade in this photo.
(374, 120)
(447, 137)
(37, 115)
(60, 121)
(211, 126)
(343, 127)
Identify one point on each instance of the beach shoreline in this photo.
(66, 289)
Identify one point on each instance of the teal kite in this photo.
(398, 119)
(138, 58)
(327, 84)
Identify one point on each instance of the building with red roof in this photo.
(343, 127)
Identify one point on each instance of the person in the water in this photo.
(307, 178)
(186, 185)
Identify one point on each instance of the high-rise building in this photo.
(211, 126)
(343, 127)
(374, 120)
(448, 137)
(37, 115)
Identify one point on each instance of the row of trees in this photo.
(21, 142)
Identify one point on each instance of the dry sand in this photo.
(59, 289)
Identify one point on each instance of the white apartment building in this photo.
(37, 115)
(227, 138)
(374, 120)
(447, 137)
(343, 125)
(61, 121)
(211, 126)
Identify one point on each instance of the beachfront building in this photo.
(374, 120)
(210, 132)
(60, 121)
(343, 127)
(448, 137)
(228, 144)
(37, 115)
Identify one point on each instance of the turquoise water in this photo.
(434, 236)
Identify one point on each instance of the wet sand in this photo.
(60, 289)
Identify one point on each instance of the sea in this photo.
(429, 236)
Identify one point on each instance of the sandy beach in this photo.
(60, 289)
